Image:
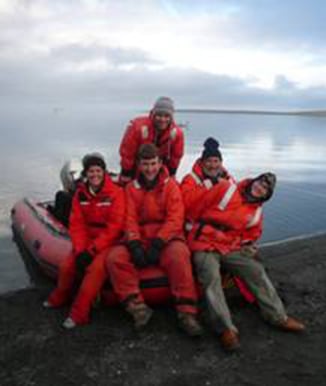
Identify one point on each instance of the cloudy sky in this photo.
(265, 54)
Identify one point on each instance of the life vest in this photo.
(96, 220)
(141, 130)
(226, 221)
(154, 213)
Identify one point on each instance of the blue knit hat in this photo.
(211, 149)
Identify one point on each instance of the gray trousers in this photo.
(208, 266)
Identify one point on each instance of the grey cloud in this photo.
(114, 55)
(289, 25)
(295, 24)
(40, 82)
(282, 83)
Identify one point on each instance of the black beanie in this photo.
(211, 146)
(93, 159)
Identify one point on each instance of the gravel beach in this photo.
(35, 350)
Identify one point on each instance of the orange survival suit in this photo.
(141, 130)
(96, 223)
(155, 213)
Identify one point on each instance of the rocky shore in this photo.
(35, 350)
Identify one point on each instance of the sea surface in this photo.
(37, 139)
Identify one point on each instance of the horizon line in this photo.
(310, 112)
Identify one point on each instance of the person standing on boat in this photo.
(227, 222)
(158, 128)
(154, 232)
(96, 222)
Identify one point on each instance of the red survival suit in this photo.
(218, 216)
(155, 213)
(96, 223)
(221, 218)
(195, 186)
(141, 130)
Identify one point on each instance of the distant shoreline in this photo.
(310, 113)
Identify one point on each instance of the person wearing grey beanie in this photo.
(164, 105)
(159, 128)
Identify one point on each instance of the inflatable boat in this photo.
(47, 242)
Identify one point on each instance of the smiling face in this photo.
(95, 176)
(150, 168)
(211, 166)
(162, 120)
(259, 189)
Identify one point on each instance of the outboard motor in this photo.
(70, 174)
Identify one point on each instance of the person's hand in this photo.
(249, 250)
(83, 260)
(172, 171)
(138, 254)
(154, 251)
(125, 177)
(124, 180)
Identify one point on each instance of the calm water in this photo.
(36, 140)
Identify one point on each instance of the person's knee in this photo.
(258, 269)
(67, 266)
(117, 256)
(176, 261)
(176, 252)
(96, 269)
(206, 267)
(199, 259)
(254, 273)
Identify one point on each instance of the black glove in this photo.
(153, 253)
(172, 171)
(83, 260)
(215, 179)
(138, 253)
(127, 173)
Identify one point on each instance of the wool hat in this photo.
(93, 159)
(211, 149)
(163, 105)
(269, 179)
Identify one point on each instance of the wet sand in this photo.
(35, 350)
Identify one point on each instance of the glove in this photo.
(83, 260)
(172, 171)
(124, 180)
(125, 177)
(215, 180)
(153, 253)
(127, 173)
(138, 253)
